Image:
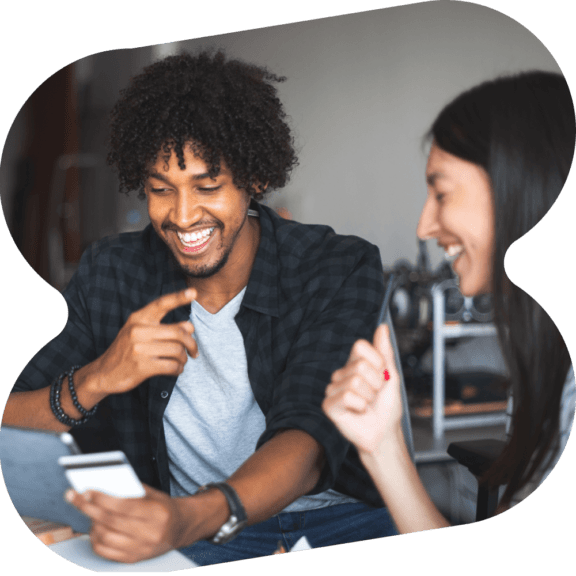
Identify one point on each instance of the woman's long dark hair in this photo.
(521, 130)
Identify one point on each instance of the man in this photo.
(206, 341)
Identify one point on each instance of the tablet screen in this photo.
(34, 480)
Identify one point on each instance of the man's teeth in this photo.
(453, 251)
(192, 238)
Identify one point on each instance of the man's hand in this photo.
(365, 407)
(131, 529)
(144, 347)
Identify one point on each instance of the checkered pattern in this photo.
(311, 295)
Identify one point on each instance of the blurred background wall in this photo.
(361, 93)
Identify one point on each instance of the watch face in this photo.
(229, 530)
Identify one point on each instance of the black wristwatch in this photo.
(237, 520)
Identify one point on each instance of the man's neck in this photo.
(216, 291)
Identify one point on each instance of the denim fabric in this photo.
(338, 524)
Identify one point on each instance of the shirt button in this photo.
(153, 458)
(164, 394)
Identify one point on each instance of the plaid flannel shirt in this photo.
(310, 296)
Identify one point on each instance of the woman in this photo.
(500, 155)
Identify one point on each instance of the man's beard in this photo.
(203, 271)
(208, 270)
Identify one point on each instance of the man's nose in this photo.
(187, 210)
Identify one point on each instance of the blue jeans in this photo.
(336, 524)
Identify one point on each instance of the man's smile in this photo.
(195, 241)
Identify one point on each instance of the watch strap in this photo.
(238, 518)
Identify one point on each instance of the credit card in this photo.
(107, 472)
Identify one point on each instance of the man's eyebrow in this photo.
(163, 178)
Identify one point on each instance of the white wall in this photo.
(362, 90)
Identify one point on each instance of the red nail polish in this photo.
(386, 375)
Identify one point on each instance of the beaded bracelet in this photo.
(55, 403)
(56, 407)
(79, 407)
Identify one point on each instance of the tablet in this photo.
(35, 481)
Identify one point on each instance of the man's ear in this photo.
(259, 189)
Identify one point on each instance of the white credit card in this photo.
(108, 472)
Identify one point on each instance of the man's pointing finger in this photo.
(157, 309)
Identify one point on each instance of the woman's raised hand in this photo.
(364, 398)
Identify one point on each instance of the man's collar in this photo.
(262, 290)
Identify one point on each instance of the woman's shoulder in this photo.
(567, 407)
(569, 384)
(565, 422)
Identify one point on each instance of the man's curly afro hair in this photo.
(226, 109)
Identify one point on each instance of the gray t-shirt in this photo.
(213, 422)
